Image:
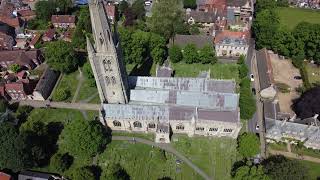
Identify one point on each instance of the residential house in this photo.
(7, 35)
(4, 176)
(49, 35)
(35, 39)
(8, 16)
(110, 10)
(231, 43)
(67, 36)
(16, 90)
(218, 6)
(241, 10)
(45, 85)
(198, 40)
(63, 21)
(206, 19)
(33, 175)
(26, 14)
(27, 59)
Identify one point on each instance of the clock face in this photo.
(107, 63)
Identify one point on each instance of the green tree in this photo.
(115, 172)
(250, 173)
(83, 29)
(243, 71)
(248, 145)
(12, 155)
(167, 18)
(64, 5)
(15, 68)
(89, 74)
(23, 112)
(190, 54)
(83, 173)
(192, 4)
(138, 9)
(61, 162)
(139, 49)
(45, 9)
(62, 94)
(123, 5)
(84, 138)
(175, 54)
(282, 3)
(265, 26)
(207, 55)
(194, 29)
(3, 106)
(279, 168)
(60, 56)
(265, 4)
(247, 103)
(157, 45)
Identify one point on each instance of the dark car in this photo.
(297, 77)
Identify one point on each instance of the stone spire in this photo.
(105, 58)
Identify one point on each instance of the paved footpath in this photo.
(166, 147)
(79, 106)
(294, 156)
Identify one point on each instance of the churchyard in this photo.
(313, 73)
(290, 17)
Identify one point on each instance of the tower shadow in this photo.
(142, 70)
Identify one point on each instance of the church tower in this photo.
(105, 58)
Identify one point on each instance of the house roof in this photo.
(35, 39)
(6, 29)
(232, 37)
(200, 16)
(198, 40)
(12, 21)
(218, 6)
(50, 33)
(47, 82)
(16, 86)
(25, 175)
(26, 13)
(236, 3)
(63, 19)
(21, 57)
(4, 176)
(6, 8)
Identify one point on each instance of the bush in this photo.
(282, 87)
(190, 54)
(175, 54)
(247, 103)
(15, 68)
(83, 173)
(248, 145)
(61, 162)
(63, 94)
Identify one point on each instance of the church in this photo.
(159, 105)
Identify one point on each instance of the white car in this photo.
(257, 127)
(251, 77)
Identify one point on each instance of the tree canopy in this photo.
(175, 54)
(278, 168)
(192, 4)
(207, 55)
(248, 145)
(60, 56)
(167, 18)
(64, 5)
(115, 172)
(84, 138)
(61, 162)
(83, 29)
(45, 9)
(83, 173)
(190, 54)
(251, 172)
(247, 103)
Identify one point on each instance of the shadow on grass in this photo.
(142, 70)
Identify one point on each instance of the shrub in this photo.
(61, 162)
(175, 54)
(283, 87)
(63, 94)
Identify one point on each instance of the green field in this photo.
(217, 71)
(87, 92)
(290, 17)
(69, 81)
(213, 155)
(314, 169)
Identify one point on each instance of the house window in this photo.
(199, 128)
(213, 129)
(117, 123)
(180, 127)
(137, 124)
(227, 130)
(151, 125)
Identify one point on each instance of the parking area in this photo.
(286, 75)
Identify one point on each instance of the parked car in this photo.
(297, 77)
(251, 77)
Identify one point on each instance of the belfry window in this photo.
(137, 124)
(151, 125)
(180, 127)
(107, 80)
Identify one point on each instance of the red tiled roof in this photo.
(63, 19)
(3, 176)
(21, 74)
(230, 34)
(21, 57)
(14, 22)
(17, 86)
(27, 12)
(6, 8)
(50, 33)
(35, 39)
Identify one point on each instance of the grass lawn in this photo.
(278, 146)
(314, 169)
(144, 162)
(142, 71)
(148, 136)
(290, 17)
(313, 73)
(213, 155)
(217, 71)
(69, 81)
(87, 91)
(305, 151)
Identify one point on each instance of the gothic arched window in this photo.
(117, 123)
(113, 80)
(137, 124)
(151, 125)
(180, 127)
(107, 65)
(101, 39)
(107, 80)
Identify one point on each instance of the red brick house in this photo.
(49, 35)
(34, 40)
(27, 59)
(26, 14)
(63, 21)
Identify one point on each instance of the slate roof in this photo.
(63, 19)
(217, 101)
(232, 37)
(198, 40)
(163, 113)
(27, 175)
(183, 84)
(200, 16)
(21, 57)
(6, 29)
(47, 82)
